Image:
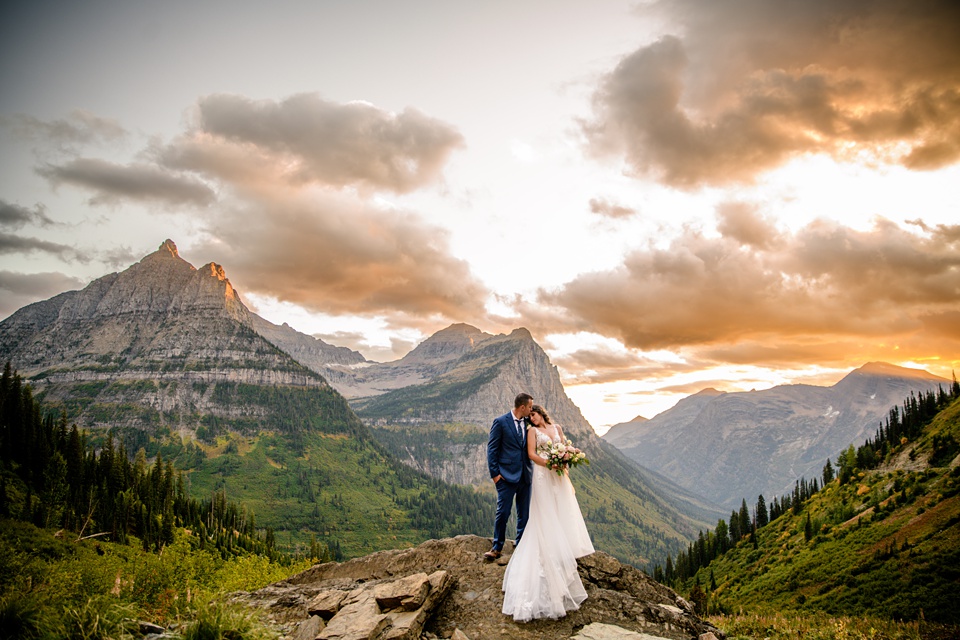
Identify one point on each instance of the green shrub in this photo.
(218, 622)
(100, 618)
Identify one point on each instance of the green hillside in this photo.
(303, 464)
(880, 539)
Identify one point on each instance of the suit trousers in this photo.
(506, 493)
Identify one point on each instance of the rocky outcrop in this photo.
(760, 442)
(444, 589)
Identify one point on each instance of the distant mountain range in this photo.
(170, 357)
(734, 446)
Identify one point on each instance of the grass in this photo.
(820, 626)
(53, 587)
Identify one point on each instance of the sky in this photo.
(669, 195)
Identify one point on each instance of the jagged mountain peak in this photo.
(521, 333)
(445, 345)
(171, 248)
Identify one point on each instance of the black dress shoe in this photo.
(491, 555)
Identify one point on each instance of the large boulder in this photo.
(445, 589)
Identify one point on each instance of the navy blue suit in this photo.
(507, 457)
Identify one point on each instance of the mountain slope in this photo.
(169, 357)
(886, 543)
(433, 409)
(759, 442)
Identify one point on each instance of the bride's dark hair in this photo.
(543, 413)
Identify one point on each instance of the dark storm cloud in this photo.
(337, 144)
(744, 86)
(112, 182)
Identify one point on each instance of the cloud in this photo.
(748, 85)
(13, 244)
(80, 127)
(791, 297)
(599, 364)
(741, 222)
(359, 342)
(353, 144)
(20, 289)
(336, 254)
(295, 218)
(607, 209)
(112, 182)
(14, 216)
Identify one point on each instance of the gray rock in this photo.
(326, 603)
(406, 594)
(600, 631)
(465, 595)
(309, 629)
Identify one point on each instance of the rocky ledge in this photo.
(444, 589)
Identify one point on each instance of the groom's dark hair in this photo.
(521, 400)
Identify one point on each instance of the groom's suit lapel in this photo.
(513, 427)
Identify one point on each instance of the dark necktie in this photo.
(519, 429)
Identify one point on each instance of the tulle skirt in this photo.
(541, 580)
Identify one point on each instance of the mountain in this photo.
(166, 357)
(734, 446)
(881, 539)
(433, 409)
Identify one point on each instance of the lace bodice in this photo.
(543, 440)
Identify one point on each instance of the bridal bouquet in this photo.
(563, 455)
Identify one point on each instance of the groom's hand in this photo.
(497, 479)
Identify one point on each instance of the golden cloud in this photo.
(336, 254)
(757, 295)
(750, 84)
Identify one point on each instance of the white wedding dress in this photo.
(541, 580)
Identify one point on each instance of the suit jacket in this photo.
(507, 451)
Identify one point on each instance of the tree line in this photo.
(903, 423)
(52, 477)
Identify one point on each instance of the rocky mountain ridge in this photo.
(160, 320)
(760, 442)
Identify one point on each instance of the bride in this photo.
(541, 580)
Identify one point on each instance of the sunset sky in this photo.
(669, 195)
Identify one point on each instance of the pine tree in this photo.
(762, 516)
(744, 516)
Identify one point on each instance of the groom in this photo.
(510, 469)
